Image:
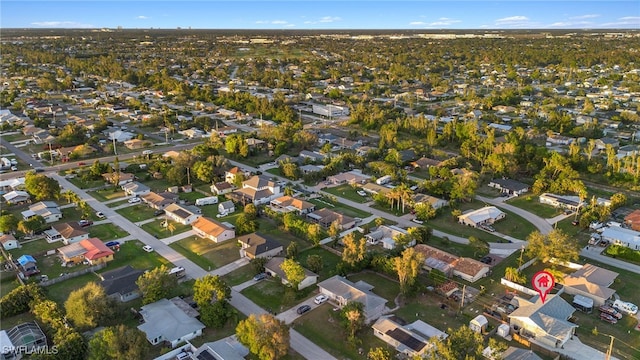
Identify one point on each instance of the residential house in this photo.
(22, 340)
(591, 281)
(621, 236)
(120, 284)
(228, 348)
(285, 204)
(627, 150)
(27, 265)
(9, 242)
(221, 188)
(509, 186)
(483, 216)
(226, 207)
(601, 144)
(135, 144)
(407, 156)
(312, 156)
(326, 217)
(562, 201)
(633, 220)
(272, 267)
(309, 169)
(159, 201)
(210, 229)
(546, 322)
(514, 353)
(374, 189)
(436, 203)
(181, 214)
(231, 175)
(557, 139)
(93, 251)
(342, 291)
(135, 188)
(256, 245)
(452, 265)
(172, 321)
(387, 235)
(49, 210)
(256, 144)
(121, 177)
(411, 340)
(350, 177)
(259, 189)
(120, 136)
(68, 233)
(17, 197)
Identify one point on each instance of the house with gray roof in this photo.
(273, 268)
(120, 283)
(256, 245)
(342, 291)
(411, 340)
(546, 322)
(49, 210)
(182, 214)
(170, 321)
(135, 188)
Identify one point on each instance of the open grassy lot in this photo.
(272, 296)
(514, 225)
(106, 232)
(77, 181)
(329, 261)
(8, 282)
(74, 214)
(191, 197)
(532, 204)
(156, 229)
(325, 202)
(392, 210)
(131, 253)
(206, 253)
(426, 307)
(446, 223)
(136, 212)
(348, 192)
(107, 194)
(238, 276)
(117, 203)
(382, 286)
(60, 291)
(34, 248)
(456, 248)
(322, 324)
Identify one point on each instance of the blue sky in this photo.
(321, 14)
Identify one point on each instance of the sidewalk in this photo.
(594, 252)
(230, 267)
(177, 237)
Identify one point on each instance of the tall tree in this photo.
(378, 353)
(293, 271)
(314, 234)
(41, 187)
(315, 263)
(408, 266)
(352, 319)
(118, 342)
(557, 245)
(8, 223)
(209, 289)
(88, 306)
(156, 284)
(264, 335)
(462, 343)
(354, 249)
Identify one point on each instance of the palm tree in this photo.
(404, 195)
(171, 227)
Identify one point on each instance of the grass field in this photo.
(325, 202)
(382, 286)
(446, 223)
(136, 213)
(191, 197)
(532, 204)
(34, 248)
(207, 254)
(514, 225)
(329, 261)
(238, 276)
(348, 192)
(106, 232)
(272, 296)
(156, 229)
(107, 194)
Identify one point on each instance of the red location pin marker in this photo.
(543, 282)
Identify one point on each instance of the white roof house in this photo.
(621, 236)
(410, 339)
(485, 215)
(342, 291)
(386, 235)
(49, 210)
(16, 196)
(164, 320)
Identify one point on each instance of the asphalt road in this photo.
(541, 224)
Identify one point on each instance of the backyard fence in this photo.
(73, 274)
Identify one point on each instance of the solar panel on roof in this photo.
(206, 355)
(406, 339)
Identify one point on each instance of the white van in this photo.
(147, 152)
(207, 200)
(625, 307)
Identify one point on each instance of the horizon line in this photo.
(319, 29)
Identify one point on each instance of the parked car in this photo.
(320, 299)
(39, 170)
(362, 193)
(14, 168)
(158, 212)
(100, 215)
(486, 259)
(82, 163)
(303, 309)
(608, 318)
(85, 223)
(611, 311)
(134, 200)
(260, 276)
(415, 220)
(147, 248)
(112, 244)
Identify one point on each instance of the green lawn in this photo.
(348, 192)
(271, 295)
(131, 253)
(8, 282)
(191, 197)
(382, 286)
(395, 211)
(107, 194)
(329, 261)
(60, 291)
(77, 181)
(238, 276)
(325, 202)
(117, 203)
(514, 225)
(106, 232)
(456, 248)
(426, 307)
(34, 248)
(446, 223)
(154, 228)
(323, 326)
(532, 204)
(135, 213)
(207, 254)
(74, 214)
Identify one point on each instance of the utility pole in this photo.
(610, 349)
(464, 287)
(51, 154)
(521, 253)
(115, 150)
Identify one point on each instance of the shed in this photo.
(478, 324)
(583, 303)
(503, 330)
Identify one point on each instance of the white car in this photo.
(100, 215)
(361, 193)
(221, 215)
(147, 248)
(134, 200)
(320, 299)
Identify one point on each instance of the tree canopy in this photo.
(264, 335)
(118, 342)
(156, 284)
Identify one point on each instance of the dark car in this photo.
(112, 244)
(486, 260)
(260, 276)
(303, 309)
(85, 223)
(158, 212)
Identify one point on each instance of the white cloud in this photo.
(571, 24)
(587, 16)
(444, 22)
(279, 22)
(142, 17)
(516, 22)
(417, 23)
(262, 22)
(61, 24)
(324, 20)
(512, 19)
(626, 21)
